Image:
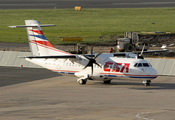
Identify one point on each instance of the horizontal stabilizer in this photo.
(20, 26)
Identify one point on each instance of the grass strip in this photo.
(93, 25)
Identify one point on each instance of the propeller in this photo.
(141, 54)
(91, 61)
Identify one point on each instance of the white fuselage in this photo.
(112, 68)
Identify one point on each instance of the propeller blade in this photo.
(97, 55)
(98, 65)
(142, 50)
(86, 57)
(89, 64)
(85, 67)
(92, 70)
(92, 52)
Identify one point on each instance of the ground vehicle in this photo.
(81, 49)
(78, 48)
(130, 43)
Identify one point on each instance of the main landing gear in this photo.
(107, 82)
(147, 82)
(82, 81)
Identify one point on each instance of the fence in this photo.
(10, 58)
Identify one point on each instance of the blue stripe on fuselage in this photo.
(141, 77)
(67, 73)
(131, 76)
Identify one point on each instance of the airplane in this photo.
(96, 67)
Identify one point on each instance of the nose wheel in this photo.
(147, 82)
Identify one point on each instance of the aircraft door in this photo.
(108, 68)
(58, 67)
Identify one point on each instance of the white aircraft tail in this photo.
(39, 45)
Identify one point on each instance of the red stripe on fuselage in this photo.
(63, 70)
(128, 74)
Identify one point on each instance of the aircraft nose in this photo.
(154, 72)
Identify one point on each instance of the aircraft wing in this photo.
(119, 54)
(153, 51)
(73, 58)
(55, 57)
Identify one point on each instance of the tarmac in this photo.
(39, 94)
(70, 4)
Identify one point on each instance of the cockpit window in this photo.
(139, 65)
(150, 65)
(142, 65)
(136, 65)
(145, 65)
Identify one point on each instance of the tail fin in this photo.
(39, 45)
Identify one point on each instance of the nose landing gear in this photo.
(147, 82)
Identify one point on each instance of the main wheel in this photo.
(82, 82)
(147, 84)
(107, 81)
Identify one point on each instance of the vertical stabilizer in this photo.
(39, 45)
(31, 32)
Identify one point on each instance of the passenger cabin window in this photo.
(107, 66)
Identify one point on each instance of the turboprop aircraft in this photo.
(98, 67)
